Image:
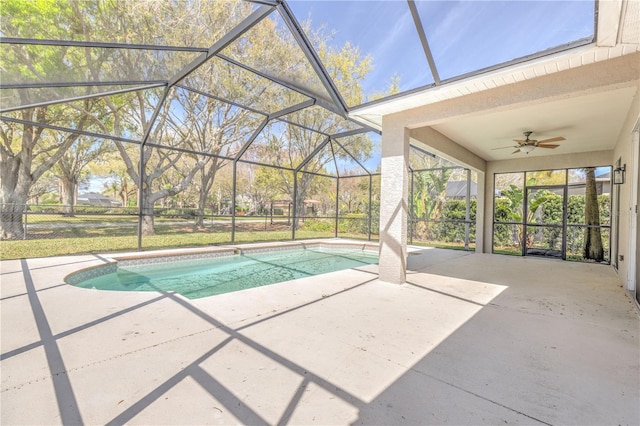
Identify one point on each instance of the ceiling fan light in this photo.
(527, 148)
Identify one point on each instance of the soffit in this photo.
(372, 114)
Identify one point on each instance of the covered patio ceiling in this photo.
(582, 121)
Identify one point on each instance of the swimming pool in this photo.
(235, 271)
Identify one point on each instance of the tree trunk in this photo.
(304, 180)
(124, 192)
(11, 224)
(14, 193)
(10, 203)
(206, 183)
(148, 227)
(202, 200)
(68, 196)
(148, 223)
(592, 238)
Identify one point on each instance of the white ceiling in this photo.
(589, 123)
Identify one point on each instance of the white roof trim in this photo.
(560, 61)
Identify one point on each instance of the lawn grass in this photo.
(64, 246)
(444, 245)
(103, 240)
(49, 218)
(56, 235)
(511, 251)
(106, 244)
(60, 219)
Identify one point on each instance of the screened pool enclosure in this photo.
(131, 125)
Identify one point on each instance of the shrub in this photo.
(549, 211)
(455, 211)
(45, 208)
(319, 225)
(353, 225)
(124, 210)
(177, 213)
(91, 209)
(375, 219)
(502, 235)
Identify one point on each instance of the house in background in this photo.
(95, 199)
(458, 190)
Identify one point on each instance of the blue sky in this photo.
(463, 35)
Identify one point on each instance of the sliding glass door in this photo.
(545, 213)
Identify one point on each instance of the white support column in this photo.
(393, 203)
(480, 212)
(634, 219)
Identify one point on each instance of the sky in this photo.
(463, 36)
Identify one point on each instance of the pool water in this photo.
(201, 278)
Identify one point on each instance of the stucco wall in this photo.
(394, 190)
(624, 151)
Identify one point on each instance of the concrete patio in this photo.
(470, 339)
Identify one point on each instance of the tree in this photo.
(545, 205)
(429, 189)
(117, 183)
(429, 192)
(373, 209)
(179, 120)
(72, 167)
(46, 185)
(322, 190)
(27, 152)
(592, 248)
(186, 119)
(509, 208)
(159, 164)
(354, 193)
(266, 185)
(200, 24)
(289, 144)
(210, 126)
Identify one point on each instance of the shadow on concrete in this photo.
(558, 344)
(66, 399)
(511, 361)
(67, 404)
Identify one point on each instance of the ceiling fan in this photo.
(527, 145)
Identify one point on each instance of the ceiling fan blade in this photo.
(548, 146)
(503, 147)
(516, 151)
(557, 139)
(519, 141)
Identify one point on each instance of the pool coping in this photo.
(167, 256)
